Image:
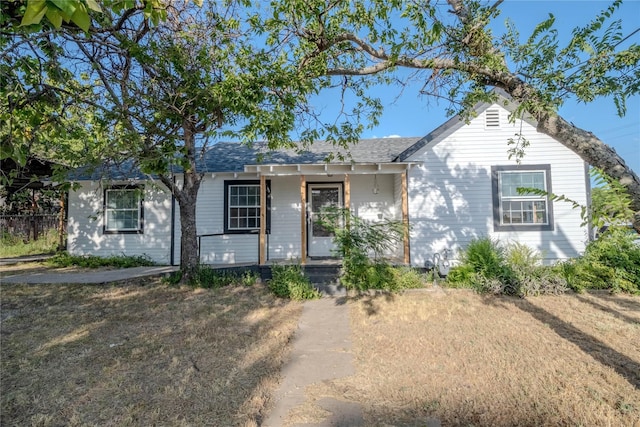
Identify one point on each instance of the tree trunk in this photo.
(187, 197)
(189, 240)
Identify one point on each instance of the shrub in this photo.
(610, 262)
(521, 257)
(288, 281)
(63, 259)
(461, 276)
(211, 278)
(360, 239)
(514, 270)
(408, 278)
(485, 256)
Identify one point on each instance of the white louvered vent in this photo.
(492, 118)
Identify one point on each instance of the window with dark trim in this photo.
(514, 210)
(242, 206)
(123, 209)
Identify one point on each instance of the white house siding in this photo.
(284, 241)
(376, 207)
(450, 195)
(370, 205)
(226, 249)
(86, 220)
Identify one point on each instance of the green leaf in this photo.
(198, 3)
(54, 16)
(81, 18)
(93, 5)
(34, 13)
(67, 6)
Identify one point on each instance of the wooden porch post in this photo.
(263, 221)
(303, 220)
(405, 218)
(347, 192)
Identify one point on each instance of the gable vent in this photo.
(492, 118)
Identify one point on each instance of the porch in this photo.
(287, 202)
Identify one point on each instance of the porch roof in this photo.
(379, 168)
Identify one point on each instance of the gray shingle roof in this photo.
(233, 156)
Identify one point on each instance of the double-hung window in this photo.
(242, 206)
(516, 209)
(123, 209)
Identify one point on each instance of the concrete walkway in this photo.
(321, 351)
(98, 276)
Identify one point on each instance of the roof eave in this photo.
(356, 168)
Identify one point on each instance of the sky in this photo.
(410, 115)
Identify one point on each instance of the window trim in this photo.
(230, 183)
(497, 199)
(140, 229)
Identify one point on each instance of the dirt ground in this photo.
(458, 358)
(140, 353)
(143, 353)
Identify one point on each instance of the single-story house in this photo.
(452, 185)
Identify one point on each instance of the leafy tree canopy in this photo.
(454, 52)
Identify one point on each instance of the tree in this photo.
(610, 203)
(157, 94)
(452, 44)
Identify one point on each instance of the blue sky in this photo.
(410, 115)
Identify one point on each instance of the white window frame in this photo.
(111, 228)
(231, 205)
(499, 199)
(524, 198)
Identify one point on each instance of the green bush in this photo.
(485, 256)
(211, 278)
(289, 281)
(521, 257)
(489, 267)
(461, 276)
(610, 262)
(63, 259)
(360, 239)
(408, 278)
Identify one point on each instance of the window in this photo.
(514, 211)
(242, 206)
(123, 210)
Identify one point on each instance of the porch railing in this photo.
(200, 236)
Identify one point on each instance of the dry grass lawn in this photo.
(458, 358)
(140, 353)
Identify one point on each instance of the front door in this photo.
(320, 240)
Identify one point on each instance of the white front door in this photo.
(320, 240)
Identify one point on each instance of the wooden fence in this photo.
(29, 227)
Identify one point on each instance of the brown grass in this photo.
(140, 353)
(458, 358)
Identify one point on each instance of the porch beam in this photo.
(262, 252)
(303, 220)
(405, 219)
(364, 168)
